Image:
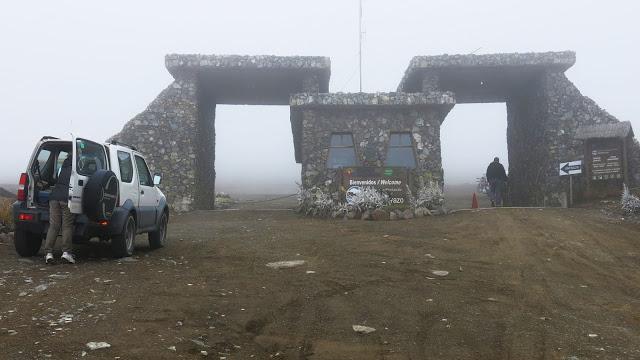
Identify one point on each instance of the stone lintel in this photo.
(252, 80)
(476, 65)
(346, 100)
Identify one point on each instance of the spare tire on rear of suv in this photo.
(100, 195)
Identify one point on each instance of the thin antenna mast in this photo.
(360, 43)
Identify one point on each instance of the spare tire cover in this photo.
(100, 195)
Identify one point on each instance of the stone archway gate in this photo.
(176, 131)
(544, 110)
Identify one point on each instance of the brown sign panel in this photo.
(392, 181)
(606, 163)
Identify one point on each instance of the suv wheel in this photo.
(158, 239)
(122, 244)
(27, 243)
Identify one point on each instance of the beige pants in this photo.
(59, 217)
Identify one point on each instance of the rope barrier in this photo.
(267, 200)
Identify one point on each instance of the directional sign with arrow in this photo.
(571, 168)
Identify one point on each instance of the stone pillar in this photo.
(528, 154)
(204, 163)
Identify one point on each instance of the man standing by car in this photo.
(60, 216)
(497, 177)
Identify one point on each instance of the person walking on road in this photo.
(497, 177)
(60, 216)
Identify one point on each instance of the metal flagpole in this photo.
(360, 43)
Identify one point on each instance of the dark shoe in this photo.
(493, 204)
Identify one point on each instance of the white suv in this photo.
(111, 192)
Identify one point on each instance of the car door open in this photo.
(87, 158)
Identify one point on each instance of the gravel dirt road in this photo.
(521, 284)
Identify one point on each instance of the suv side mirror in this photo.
(157, 179)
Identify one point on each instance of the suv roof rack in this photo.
(115, 142)
(48, 138)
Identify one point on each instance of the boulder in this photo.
(352, 214)
(407, 214)
(366, 215)
(379, 214)
(422, 211)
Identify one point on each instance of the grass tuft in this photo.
(6, 216)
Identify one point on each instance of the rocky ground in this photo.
(491, 284)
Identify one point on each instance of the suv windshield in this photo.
(90, 157)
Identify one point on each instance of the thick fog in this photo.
(88, 67)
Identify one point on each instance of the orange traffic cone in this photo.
(474, 201)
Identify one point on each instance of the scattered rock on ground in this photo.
(59, 276)
(361, 329)
(93, 345)
(41, 287)
(440, 272)
(285, 264)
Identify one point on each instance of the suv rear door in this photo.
(88, 157)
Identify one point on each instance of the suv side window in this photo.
(126, 166)
(143, 172)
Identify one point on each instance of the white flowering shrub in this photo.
(429, 196)
(317, 202)
(341, 209)
(314, 201)
(223, 201)
(630, 203)
(369, 198)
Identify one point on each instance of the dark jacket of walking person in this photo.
(60, 217)
(496, 176)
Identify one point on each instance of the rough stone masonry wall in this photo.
(567, 109)
(164, 133)
(371, 127)
(542, 121)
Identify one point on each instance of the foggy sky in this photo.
(89, 67)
